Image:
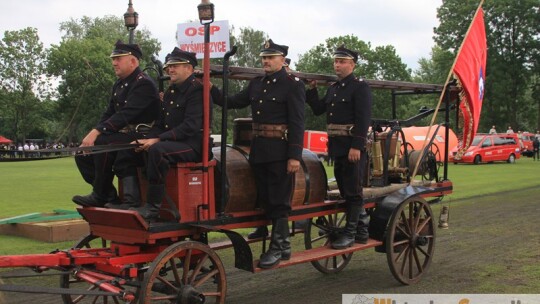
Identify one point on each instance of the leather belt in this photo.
(270, 130)
(340, 130)
(143, 128)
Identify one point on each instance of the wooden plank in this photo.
(46, 218)
(19, 218)
(56, 231)
(319, 253)
(65, 211)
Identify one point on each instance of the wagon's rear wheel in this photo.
(410, 241)
(71, 282)
(185, 272)
(320, 232)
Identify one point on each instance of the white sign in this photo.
(190, 37)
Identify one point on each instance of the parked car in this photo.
(527, 140)
(317, 142)
(490, 148)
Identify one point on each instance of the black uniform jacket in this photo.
(181, 116)
(134, 100)
(346, 102)
(278, 98)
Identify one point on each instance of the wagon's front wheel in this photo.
(91, 241)
(185, 272)
(320, 231)
(410, 240)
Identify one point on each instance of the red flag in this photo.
(470, 72)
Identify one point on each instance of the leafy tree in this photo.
(86, 77)
(81, 63)
(22, 81)
(380, 63)
(249, 42)
(513, 45)
(434, 69)
(512, 28)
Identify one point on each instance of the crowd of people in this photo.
(33, 150)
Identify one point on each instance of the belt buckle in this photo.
(350, 131)
(286, 134)
(142, 125)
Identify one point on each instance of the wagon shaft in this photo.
(103, 258)
(34, 260)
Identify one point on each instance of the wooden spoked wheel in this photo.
(71, 282)
(91, 241)
(185, 272)
(320, 232)
(410, 240)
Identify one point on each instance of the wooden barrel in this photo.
(242, 132)
(310, 181)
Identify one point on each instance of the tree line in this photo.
(58, 93)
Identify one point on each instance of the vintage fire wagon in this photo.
(126, 260)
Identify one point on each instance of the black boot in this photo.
(103, 190)
(280, 245)
(258, 233)
(362, 232)
(95, 200)
(90, 200)
(346, 238)
(132, 194)
(154, 197)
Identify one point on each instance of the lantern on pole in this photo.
(131, 20)
(206, 16)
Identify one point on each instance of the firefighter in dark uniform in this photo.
(133, 108)
(277, 102)
(262, 231)
(347, 104)
(178, 135)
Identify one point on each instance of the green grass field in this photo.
(42, 186)
(39, 186)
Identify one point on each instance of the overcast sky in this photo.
(301, 24)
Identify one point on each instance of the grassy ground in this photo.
(39, 186)
(475, 180)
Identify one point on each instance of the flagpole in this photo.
(444, 89)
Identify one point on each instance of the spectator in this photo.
(536, 148)
(492, 130)
(509, 131)
(520, 139)
(20, 150)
